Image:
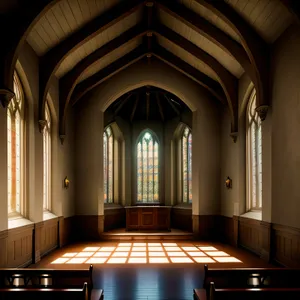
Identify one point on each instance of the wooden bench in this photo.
(246, 293)
(26, 278)
(44, 293)
(252, 277)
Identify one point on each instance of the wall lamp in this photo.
(228, 182)
(66, 182)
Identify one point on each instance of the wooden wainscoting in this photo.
(181, 218)
(66, 230)
(3, 248)
(114, 217)
(286, 245)
(226, 230)
(88, 227)
(49, 236)
(255, 236)
(19, 246)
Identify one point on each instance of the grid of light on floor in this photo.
(151, 253)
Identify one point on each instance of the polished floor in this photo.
(149, 270)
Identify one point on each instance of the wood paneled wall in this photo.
(181, 218)
(114, 218)
(24, 245)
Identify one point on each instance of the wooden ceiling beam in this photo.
(294, 8)
(85, 86)
(68, 82)
(172, 60)
(15, 27)
(228, 82)
(208, 30)
(255, 47)
(51, 61)
(134, 107)
(172, 105)
(161, 111)
(123, 102)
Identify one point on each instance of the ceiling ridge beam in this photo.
(14, 39)
(175, 62)
(120, 64)
(293, 7)
(211, 32)
(254, 45)
(50, 62)
(172, 105)
(228, 82)
(68, 82)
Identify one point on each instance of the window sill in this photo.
(15, 222)
(47, 215)
(183, 206)
(112, 206)
(256, 215)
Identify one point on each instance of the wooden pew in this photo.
(44, 293)
(245, 293)
(27, 278)
(252, 277)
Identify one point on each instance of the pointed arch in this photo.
(147, 156)
(254, 155)
(15, 157)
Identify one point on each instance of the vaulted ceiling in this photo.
(84, 42)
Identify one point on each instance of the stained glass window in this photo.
(108, 141)
(187, 166)
(47, 159)
(254, 157)
(147, 169)
(14, 147)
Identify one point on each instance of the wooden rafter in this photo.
(134, 107)
(226, 79)
(294, 8)
(147, 104)
(68, 82)
(13, 35)
(50, 62)
(211, 32)
(172, 60)
(123, 102)
(172, 105)
(160, 107)
(254, 45)
(112, 69)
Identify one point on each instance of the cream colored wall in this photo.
(206, 134)
(286, 129)
(63, 164)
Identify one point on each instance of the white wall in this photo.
(286, 129)
(89, 128)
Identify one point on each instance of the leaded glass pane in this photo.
(105, 166)
(185, 169)
(110, 169)
(190, 167)
(187, 166)
(108, 165)
(147, 169)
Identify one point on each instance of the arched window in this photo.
(186, 165)
(108, 149)
(47, 160)
(15, 113)
(147, 168)
(254, 156)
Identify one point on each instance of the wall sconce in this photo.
(66, 182)
(228, 182)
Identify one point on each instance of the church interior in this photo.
(149, 138)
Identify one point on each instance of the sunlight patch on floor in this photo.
(143, 253)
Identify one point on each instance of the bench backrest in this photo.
(26, 277)
(253, 293)
(252, 277)
(44, 293)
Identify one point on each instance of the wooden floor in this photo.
(151, 280)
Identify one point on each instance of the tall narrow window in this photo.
(187, 165)
(254, 156)
(14, 148)
(108, 142)
(47, 160)
(147, 169)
